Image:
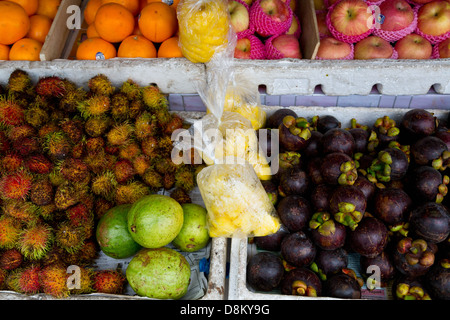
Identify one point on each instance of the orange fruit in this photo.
(25, 49)
(158, 21)
(131, 5)
(14, 22)
(4, 52)
(48, 8)
(39, 27)
(90, 10)
(170, 49)
(136, 46)
(114, 22)
(136, 27)
(95, 49)
(30, 6)
(91, 32)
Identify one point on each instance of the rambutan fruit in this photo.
(149, 147)
(48, 211)
(95, 145)
(83, 257)
(3, 276)
(152, 179)
(41, 192)
(109, 281)
(131, 89)
(15, 185)
(99, 162)
(180, 195)
(55, 255)
(4, 142)
(145, 125)
(25, 280)
(164, 165)
(165, 146)
(70, 100)
(24, 211)
(21, 131)
(101, 85)
(79, 215)
(104, 184)
(66, 195)
(97, 126)
(38, 163)
(94, 106)
(47, 129)
(35, 240)
(11, 162)
(175, 122)
(137, 106)
(10, 229)
(26, 146)
(51, 86)
(102, 205)
(140, 164)
(11, 113)
(10, 259)
(72, 128)
(36, 116)
(120, 134)
(74, 170)
(123, 170)
(78, 150)
(163, 117)
(83, 284)
(53, 280)
(153, 98)
(130, 192)
(184, 178)
(57, 145)
(55, 176)
(120, 106)
(130, 151)
(69, 237)
(168, 181)
(18, 81)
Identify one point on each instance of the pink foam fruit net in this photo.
(350, 56)
(264, 25)
(393, 36)
(249, 30)
(258, 50)
(432, 39)
(340, 36)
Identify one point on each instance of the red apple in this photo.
(322, 24)
(444, 49)
(413, 46)
(434, 18)
(351, 17)
(288, 45)
(239, 17)
(331, 48)
(294, 28)
(276, 9)
(398, 14)
(242, 49)
(373, 47)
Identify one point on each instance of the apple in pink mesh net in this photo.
(249, 47)
(334, 49)
(270, 17)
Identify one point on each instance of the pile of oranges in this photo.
(24, 25)
(130, 29)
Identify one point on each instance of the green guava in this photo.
(112, 233)
(155, 220)
(194, 234)
(160, 273)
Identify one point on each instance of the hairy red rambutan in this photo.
(109, 281)
(140, 164)
(51, 86)
(97, 126)
(104, 184)
(74, 170)
(120, 134)
(21, 210)
(15, 185)
(3, 275)
(36, 116)
(4, 142)
(145, 125)
(124, 170)
(66, 195)
(10, 230)
(41, 192)
(72, 128)
(153, 98)
(101, 85)
(149, 147)
(57, 145)
(39, 163)
(69, 237)
(94, 106)
(53, 280)
(10, 259)
(79, 215)
(11, 113)
(95, 145)
(25, 280)
(18, 81)
(176, 122)
(11, 162)
(82, 282)
(35, 241)
(130, 151)
(26, 146)
(130, 192)
(21, 131)
(102, 205)
(83, 257)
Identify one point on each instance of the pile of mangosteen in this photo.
(376, 191)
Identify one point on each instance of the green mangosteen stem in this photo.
(402, 290)
(299, 288)
(311, 292)
(445, 263)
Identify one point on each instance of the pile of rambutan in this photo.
(67, 155)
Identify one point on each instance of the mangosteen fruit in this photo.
(338, 168)
(427, 184)
(294, 133)
(271, 242)
(444, 135)
(417, 123)
(342, 286)
(383, 261)
(410, 288)
(390, 164)
(370, 238)
(367, 187)
(271, 189)
(276, 118)
(301, 282)
(293, 181)
(391, 204)
(337, 140)
(320, 197)
(287, 160)
(325, 123)
(348, 205)
(294, 212)
(413, 257)
(431, 221)
(386, 130)
(312, 148)
(432, 151)
(264, 271)
(365, 140)
(298, 249)
(329, 262)
(325, 232)
(438, 280)
(313, 168)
